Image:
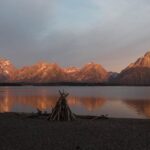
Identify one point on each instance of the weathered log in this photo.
(39, 112)
(101, 117)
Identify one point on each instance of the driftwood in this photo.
(39, 112)
(100, 117)
(61, 111)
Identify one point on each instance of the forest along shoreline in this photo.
(69, 84)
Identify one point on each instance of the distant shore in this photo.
(21, 131)
(69, 84)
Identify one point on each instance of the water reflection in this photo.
(9, 101)
(142, 107)
(83, 101)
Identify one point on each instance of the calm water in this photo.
(128, 102)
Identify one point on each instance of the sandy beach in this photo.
(20, 132)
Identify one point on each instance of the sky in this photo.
(113, 33)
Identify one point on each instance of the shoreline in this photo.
(73, 84)
(35, 115)
(18, 131)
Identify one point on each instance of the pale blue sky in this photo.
(74, 32)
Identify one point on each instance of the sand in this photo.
(19, 132)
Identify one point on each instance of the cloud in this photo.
(21, 23)
(112, 32)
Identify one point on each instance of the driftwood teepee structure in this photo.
(62, 112)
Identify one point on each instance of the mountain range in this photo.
(137, 73)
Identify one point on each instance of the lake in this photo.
(124, 102)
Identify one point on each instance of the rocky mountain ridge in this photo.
(137, 73)
(48, 72)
